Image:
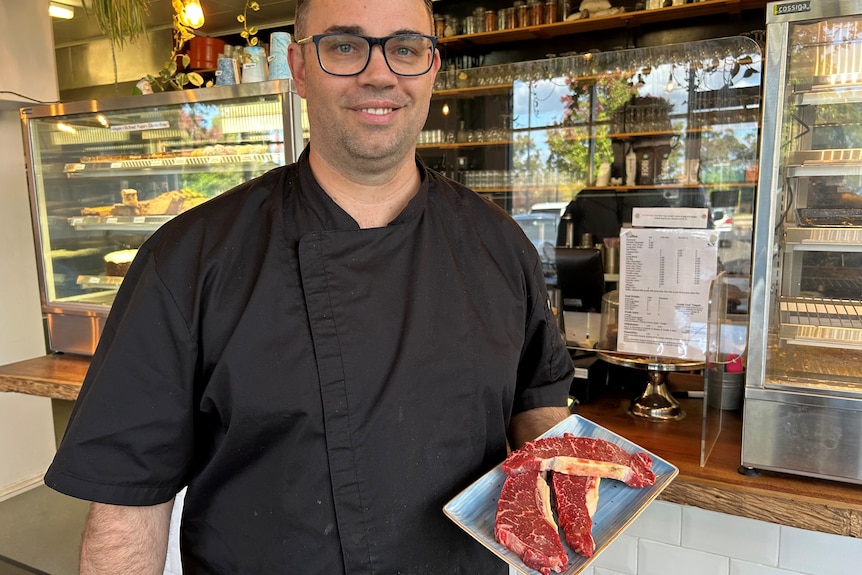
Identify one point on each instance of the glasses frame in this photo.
(372, 42)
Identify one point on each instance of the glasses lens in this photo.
(343, 54)
(348, 54)
(409, 54)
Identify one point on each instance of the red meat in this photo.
(582, 456)
(525, 523)
(576, 500)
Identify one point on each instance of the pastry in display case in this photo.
(104, 175)
(803, 399)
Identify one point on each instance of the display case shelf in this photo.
(100, 282)
(118, 223)
(185, 164)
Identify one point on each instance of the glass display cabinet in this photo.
(103, 175)
(803, 398)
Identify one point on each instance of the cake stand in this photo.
(656, 402)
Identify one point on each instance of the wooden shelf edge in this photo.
(598, 23)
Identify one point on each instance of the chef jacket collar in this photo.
(334, 217)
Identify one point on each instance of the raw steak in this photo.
(576, 498)
(525, 523)
(582, 456)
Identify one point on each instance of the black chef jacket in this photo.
(322, 389)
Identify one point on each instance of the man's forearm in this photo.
(119, 539)
(528, 425)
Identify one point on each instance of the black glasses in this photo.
(349, 54)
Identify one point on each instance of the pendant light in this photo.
(192, 15)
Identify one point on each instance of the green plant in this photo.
(169, 77)
(248, 32)
(121, 21)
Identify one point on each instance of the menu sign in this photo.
(665, 277)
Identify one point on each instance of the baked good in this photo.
(98, 211)
(129, 197)
(167, 204)
(117, 263)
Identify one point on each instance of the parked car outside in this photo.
(541, 229)
(722, 220)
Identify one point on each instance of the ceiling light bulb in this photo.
(446, 109)
(192, 14)
(57, 10)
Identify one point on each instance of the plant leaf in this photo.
(196, 79)
(252, 30)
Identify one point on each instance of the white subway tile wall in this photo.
(671, 539)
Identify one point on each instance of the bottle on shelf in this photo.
(631, 166)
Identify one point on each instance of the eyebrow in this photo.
(360, 31)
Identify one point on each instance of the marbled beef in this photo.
(576, 499)
(525, 523)
(582, 456)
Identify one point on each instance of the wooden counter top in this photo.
(58, 376)
(802, 502)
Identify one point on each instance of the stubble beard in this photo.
(373, 148)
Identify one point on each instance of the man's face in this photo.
(374, 118)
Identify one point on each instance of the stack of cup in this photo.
(253, 64)
(227, 72)
(278, 68)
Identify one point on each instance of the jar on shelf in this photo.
(479, 19)
(511, 18)
(564, 8)
(523, 14)
(537, 10)
(550, 12)
(452, 27)
(439, 25)
(490, 20)
(469, 25)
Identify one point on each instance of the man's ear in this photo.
(296, 61)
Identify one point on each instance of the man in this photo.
(324, 355)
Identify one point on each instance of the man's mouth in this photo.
(377, 111)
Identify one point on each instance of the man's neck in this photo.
(373, 199)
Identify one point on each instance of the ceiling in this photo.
(220, 19)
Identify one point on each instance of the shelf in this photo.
(822, 322)
(825, 169)
(851, 94)
(116, 168)
(463, 145)
(102, 282)
(598, 23)
(118, 223)
(801, 238)
(673, 186)
(473, 91)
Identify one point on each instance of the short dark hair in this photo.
(302, 8)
